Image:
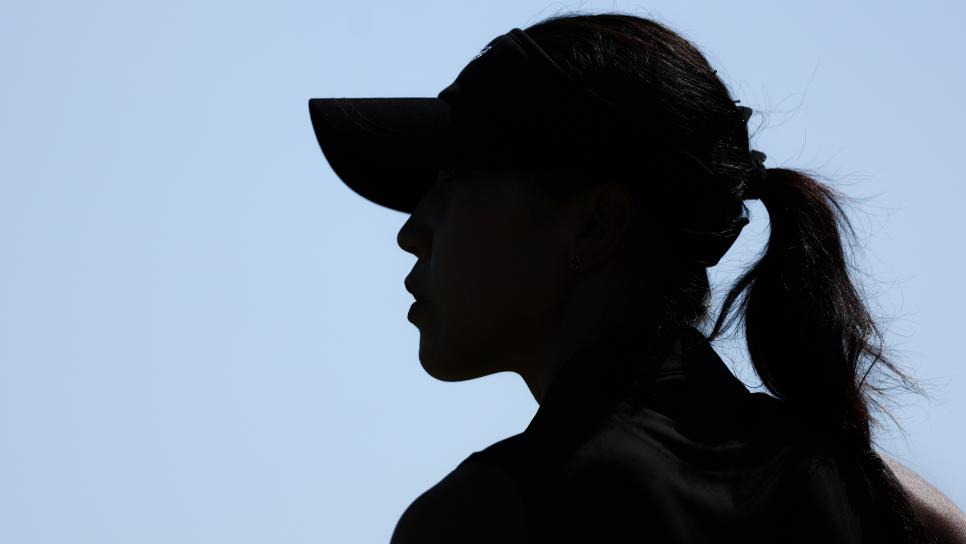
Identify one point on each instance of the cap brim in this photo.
(388, 150)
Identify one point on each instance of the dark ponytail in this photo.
(810, 337)
(813, 343)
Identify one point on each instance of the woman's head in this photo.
(493, 250)
(495, 245)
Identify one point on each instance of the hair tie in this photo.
(756, 180)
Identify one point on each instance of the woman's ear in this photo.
(606, 220)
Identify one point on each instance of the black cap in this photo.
(511, 106)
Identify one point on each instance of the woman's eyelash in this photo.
(448, 175)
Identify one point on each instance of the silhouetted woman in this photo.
(567, 194)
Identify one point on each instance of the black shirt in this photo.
(657, 441)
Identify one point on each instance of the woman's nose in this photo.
(415, 234)
(413, 237)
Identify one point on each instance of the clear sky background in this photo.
(203, 332)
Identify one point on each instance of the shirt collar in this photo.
(673, 369)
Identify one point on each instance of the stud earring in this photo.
(576, 264)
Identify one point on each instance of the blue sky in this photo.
(203, 333)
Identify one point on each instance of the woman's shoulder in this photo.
(476, 502)
(940, 514)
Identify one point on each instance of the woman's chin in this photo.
(446, 368)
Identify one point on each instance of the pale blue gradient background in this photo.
(203, 333)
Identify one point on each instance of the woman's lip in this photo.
(415, 306)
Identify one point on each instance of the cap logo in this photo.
(480, 54)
